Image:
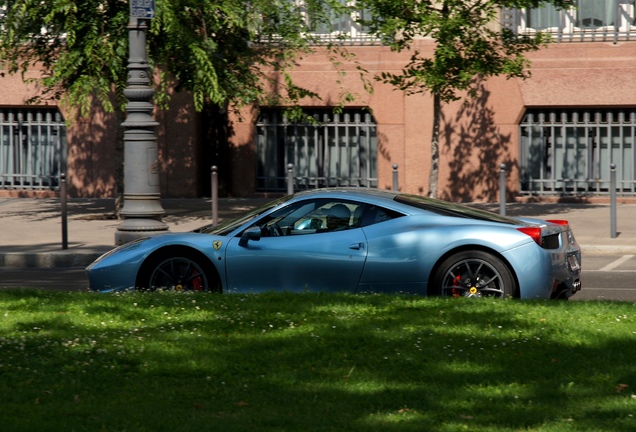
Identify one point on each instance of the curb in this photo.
(47, 259)
(608, 250)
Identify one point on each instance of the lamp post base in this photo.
(142, 218)
(133, 229)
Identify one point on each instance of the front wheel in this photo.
(473, 274)
(178, 272)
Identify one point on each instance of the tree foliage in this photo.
(470, 46)
(217, 49)
(470, 42)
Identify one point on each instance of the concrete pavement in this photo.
(31, 228)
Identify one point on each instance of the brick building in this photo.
(558, 132)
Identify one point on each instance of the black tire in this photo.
(178, 271)
(473, 274)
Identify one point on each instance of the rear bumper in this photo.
(544, 273)
(565, 290)
(568, 280)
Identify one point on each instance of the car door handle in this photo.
(356, 246)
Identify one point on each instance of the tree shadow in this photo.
(384, 152)
(94, 154)
(215, 149)
(44, 209)
(475, 146)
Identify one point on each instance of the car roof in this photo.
(350, 192)
(409, 204)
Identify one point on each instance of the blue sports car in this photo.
(355, 240)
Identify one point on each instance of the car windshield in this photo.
(230, 225)
(446, 208)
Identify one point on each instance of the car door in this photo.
(305, 256)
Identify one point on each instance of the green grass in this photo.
(313, 362)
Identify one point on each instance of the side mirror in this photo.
(252, 233)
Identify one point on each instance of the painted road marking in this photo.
(611, 266)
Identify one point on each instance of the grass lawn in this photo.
(313, 362)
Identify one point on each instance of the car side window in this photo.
(322, 216)
(281, 222)
(312, 217)
(374, 214)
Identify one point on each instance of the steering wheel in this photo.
(275, 230)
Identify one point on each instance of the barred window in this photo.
(571, 151)
(331, 150)
(32, 148)
(590, 20)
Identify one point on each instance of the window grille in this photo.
(332, 150)
(32, 148)
(591, 20)
(568, 152)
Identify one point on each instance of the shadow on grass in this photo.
(315, 362)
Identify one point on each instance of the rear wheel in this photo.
(181, 271)
(473, 274)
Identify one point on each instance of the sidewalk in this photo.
(31, 229)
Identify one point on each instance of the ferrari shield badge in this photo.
(217, 244)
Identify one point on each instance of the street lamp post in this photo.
(142, 210)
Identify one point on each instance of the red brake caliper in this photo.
(197, 283)
(456, 292)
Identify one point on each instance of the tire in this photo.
(473, 274)
(178, 271)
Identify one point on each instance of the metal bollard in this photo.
(396, 187)
(63, 205)
(502, 189)
(290, 179)
(215, 196)
(613, 200)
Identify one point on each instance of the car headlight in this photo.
(132, 245)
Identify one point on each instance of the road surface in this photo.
(605, 277)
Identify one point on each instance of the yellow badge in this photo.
(217, 245)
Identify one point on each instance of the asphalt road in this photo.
(63, 279)
(608, 278)
(605, 277)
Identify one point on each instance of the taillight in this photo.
(533, 232)
(558, 222)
